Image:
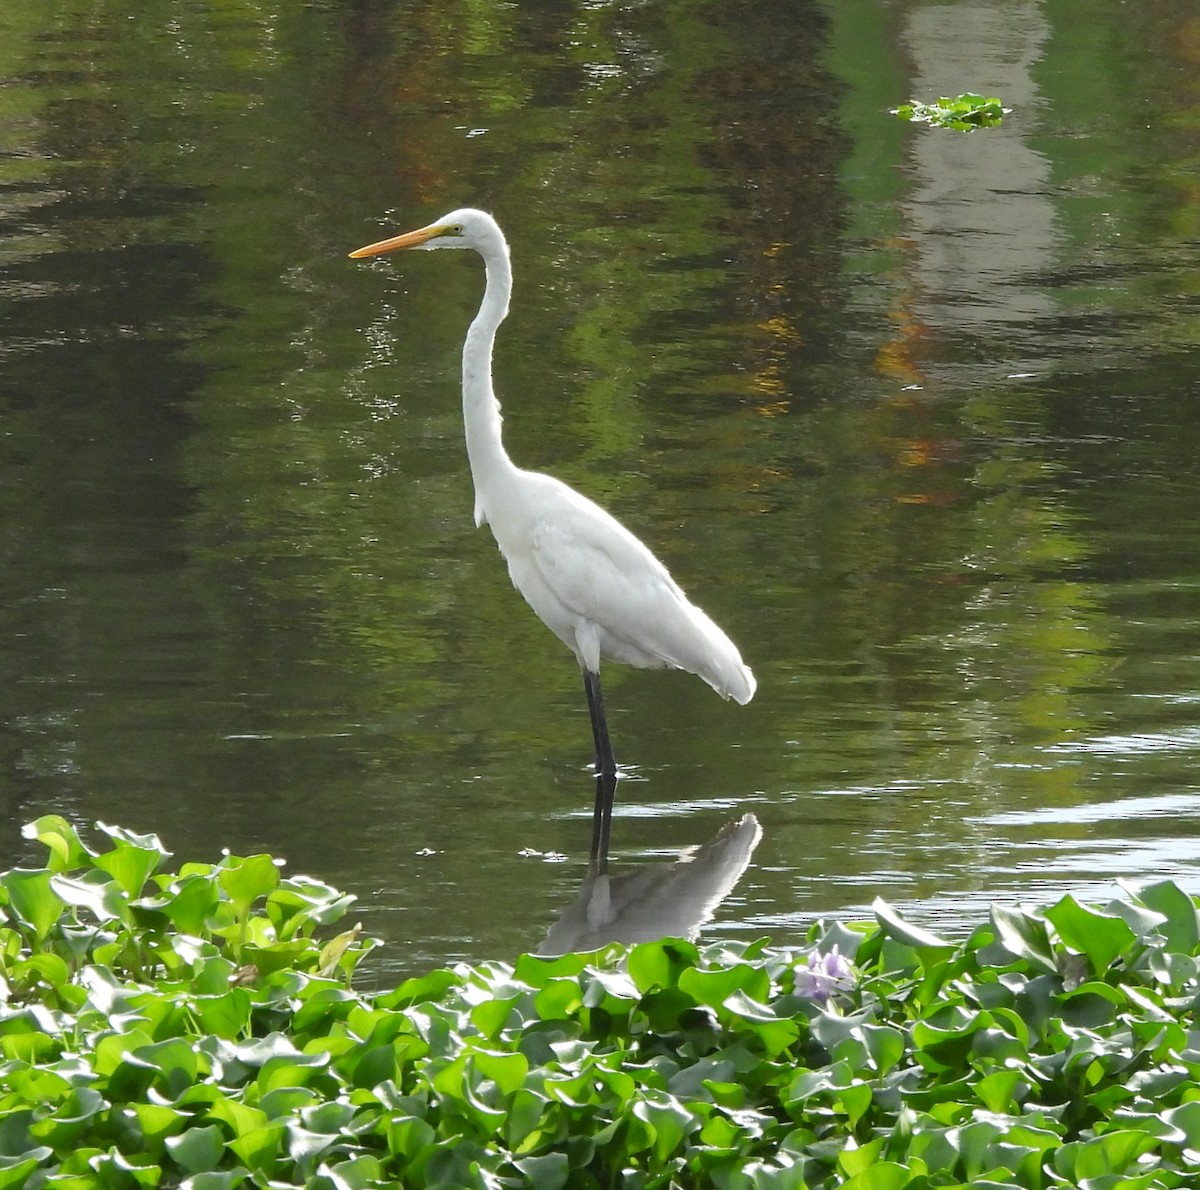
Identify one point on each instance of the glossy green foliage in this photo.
(186, 1029)
(964, 112)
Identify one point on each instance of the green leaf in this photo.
(32, 899)
(1186, 1118)
(114, 1169)
(906, 932)
(885, 1044)
(278, 956)
(45, 968)
(1024, 936)
(15, 1171)
(423, 989)
(187, 903)
(258, 1147)
(133, 858)
(245, 880)
(300, 902)
(1114, 1152)
(175, 1061)
(71, 1119)
(658, 964)
(410, 1137)
(198, 1149)
(292, 1070)
(948, 1037)
(976, 1144)
(155, 1123)
(856, 1159)
(714, 987)
(668, 1120)
(996, 1090)
(359, 1173)
(507, 1071)
(67, 852)
(549, 1172)
(854, 1100)
(20, 1041)
(884, 1175)
(226, 1015)
(95, 892)
(1181, 926)
(536, 970)
(1100, 936)
(224, 1179)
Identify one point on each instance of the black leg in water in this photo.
(606, 794)
(605, 764)
(606, 773)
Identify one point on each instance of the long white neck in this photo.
(481, 410)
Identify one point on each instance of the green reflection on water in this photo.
(954, 535)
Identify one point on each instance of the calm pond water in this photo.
(913, 414)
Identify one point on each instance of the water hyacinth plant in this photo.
(824, 976)
(964, 112)
(186, 1028)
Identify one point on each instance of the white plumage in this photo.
(593, 584)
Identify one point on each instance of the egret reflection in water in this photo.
(665, 900)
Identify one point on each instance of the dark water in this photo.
(912, 414)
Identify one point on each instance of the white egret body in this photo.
(590, 580)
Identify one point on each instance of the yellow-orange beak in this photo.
(410, 239)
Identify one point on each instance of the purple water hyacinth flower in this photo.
(825, 974)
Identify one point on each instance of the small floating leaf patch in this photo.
(964, 112)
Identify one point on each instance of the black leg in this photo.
(605, 764)
(606, 793)
(606, 774)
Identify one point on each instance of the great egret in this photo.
(594, 584)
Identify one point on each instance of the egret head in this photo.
(464, 228)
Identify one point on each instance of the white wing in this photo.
(605, 595)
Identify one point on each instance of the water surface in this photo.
(911, 414)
